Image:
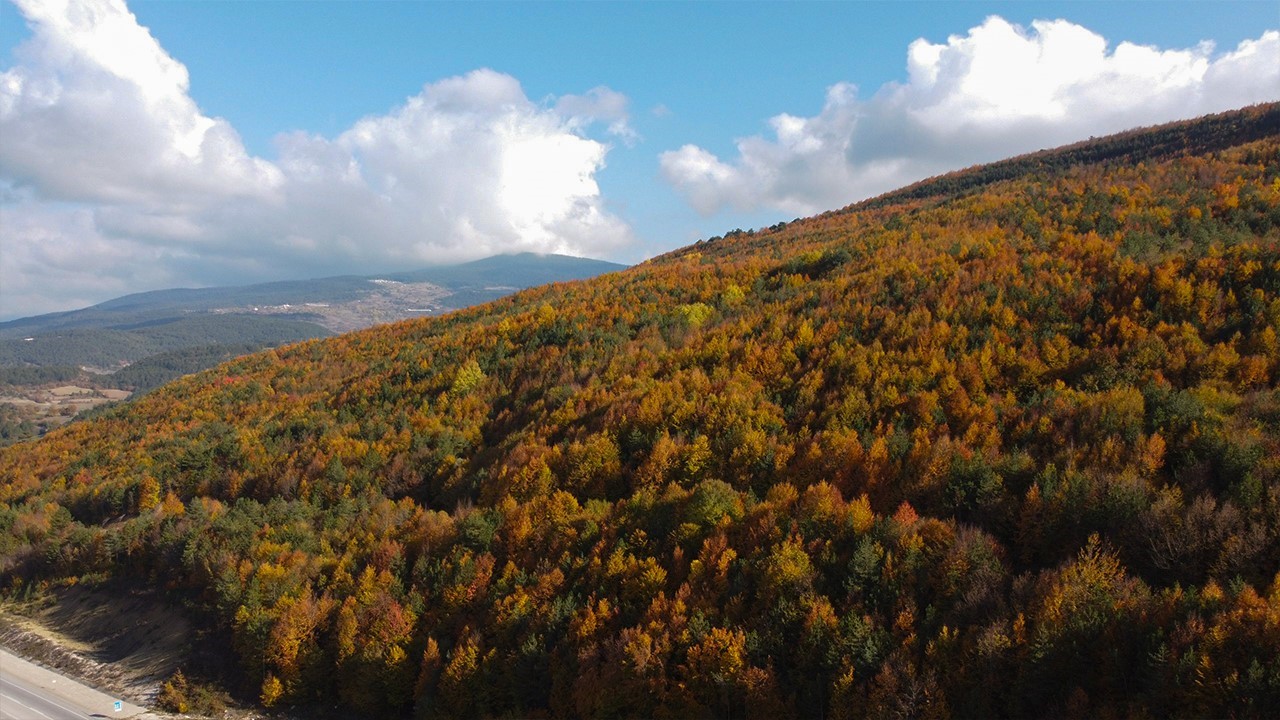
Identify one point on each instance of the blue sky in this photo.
(355, 137)
(721, 67)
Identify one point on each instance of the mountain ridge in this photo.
(106, 335)
(324, 288)
(1186, 137)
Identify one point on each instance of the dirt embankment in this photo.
(22, 637)
(126, 643)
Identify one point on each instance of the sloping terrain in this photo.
(134, 327)
(138, 342)
(1008, 452)
(119, 639)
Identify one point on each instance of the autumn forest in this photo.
(1002, 444)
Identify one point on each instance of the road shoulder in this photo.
(68, 691)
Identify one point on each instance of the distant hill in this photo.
(114, 346)
(134, 327)
(1004, 445)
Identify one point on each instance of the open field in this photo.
(28, 411)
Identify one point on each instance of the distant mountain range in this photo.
(192, 323)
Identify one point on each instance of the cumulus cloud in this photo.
(469, 166)
(112, 179)
(1000, 90)
(97, 111)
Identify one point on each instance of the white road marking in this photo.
(16, 701)
(5, 715)
(11, 686)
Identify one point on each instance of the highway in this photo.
(30, 692)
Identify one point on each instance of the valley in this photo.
(28, 411)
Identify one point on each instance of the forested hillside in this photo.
(1009, 452)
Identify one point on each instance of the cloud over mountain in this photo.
(105, 156)
(1000, 90)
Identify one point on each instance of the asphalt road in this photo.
(30, 692)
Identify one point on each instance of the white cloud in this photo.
(97, 111)
(40, 269)
(998, 91)
(114, 180)
(468, 167)
(600, 104)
